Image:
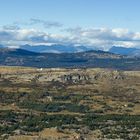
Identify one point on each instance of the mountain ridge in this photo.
(125, 51)
(88, 59)
(57, 48)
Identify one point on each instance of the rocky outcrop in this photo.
(91, 77)
(74, 78)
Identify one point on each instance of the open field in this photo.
(69, 104)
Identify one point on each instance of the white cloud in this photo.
(101, 38)
(106, 38)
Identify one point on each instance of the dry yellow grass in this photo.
(47, 134)
(22, 137)
(51, 133)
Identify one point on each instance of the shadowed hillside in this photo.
(89, 59)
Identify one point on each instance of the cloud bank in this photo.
(99, 38)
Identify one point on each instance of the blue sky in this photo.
(56, 17)
(98, 13)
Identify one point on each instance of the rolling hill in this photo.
(88, 59)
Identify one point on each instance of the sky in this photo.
(94, 23)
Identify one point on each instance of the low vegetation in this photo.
(71, 103)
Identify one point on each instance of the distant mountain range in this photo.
(125, 51)
(70, 57)
(87, 59)
(131, 52)
(1, 46)
(55, 48)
